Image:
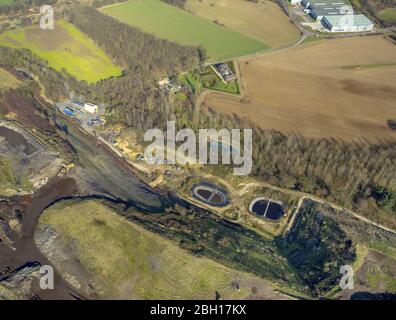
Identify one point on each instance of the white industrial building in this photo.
(348, 23)
(91, 108)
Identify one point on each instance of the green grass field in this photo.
(388, 15)
(65, 47)
(126, 261)
(171, 23)
(5, 2)
(7, 80)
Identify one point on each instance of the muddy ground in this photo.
(17, 247)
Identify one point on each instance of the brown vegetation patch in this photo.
(24, 109)
(48, 40)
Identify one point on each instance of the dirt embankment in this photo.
(17, 248)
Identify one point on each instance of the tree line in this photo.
(140, 52)
(21, 5)
(176, 3)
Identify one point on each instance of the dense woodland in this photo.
(360, 176)
(176, 3)
(19, 5)
(373, 7)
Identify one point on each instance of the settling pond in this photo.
(267, 208)
(211, 194)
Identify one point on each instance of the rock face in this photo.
(18, 284)
(25, 163)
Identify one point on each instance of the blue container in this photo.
(69, 112)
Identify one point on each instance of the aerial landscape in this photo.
(189, 150)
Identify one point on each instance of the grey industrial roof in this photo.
(355, 20)
(329, 2)
(330, 9)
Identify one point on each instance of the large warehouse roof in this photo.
(344, 20)
(331, 9)
(326, 2)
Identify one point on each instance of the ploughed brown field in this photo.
(343, 88)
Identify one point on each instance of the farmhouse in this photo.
(347, 23)
(224, 71)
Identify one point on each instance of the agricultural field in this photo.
(120, 259)
(65, 47)
(262, 20)
(174, 24)
(7, 80)
(320, 89)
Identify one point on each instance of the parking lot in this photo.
(88, 120)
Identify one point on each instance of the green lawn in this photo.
(191, 80)
(388, 15)
(65, 47)
(171, 23)
(4, 2)
(211, 81)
